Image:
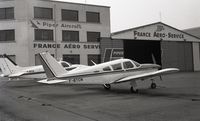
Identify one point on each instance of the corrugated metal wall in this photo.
(177, 54)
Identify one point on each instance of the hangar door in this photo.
(177, 54)
(143, 51)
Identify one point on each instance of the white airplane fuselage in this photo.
(34, 72)
(112, 72)
(12, 71)
(103, 78)
(96, 75)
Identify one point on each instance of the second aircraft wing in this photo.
(147, 75)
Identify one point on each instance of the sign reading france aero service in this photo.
(81, 46)
(158, 32)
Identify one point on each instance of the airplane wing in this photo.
(46, 81)
(147, 75)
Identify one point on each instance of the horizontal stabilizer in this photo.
(46, 81)
(16, 74)
(148, 75)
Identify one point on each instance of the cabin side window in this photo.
(117, 66)
(107, 69)
(128, 65)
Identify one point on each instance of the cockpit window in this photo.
(69, 69)
(136, 64)
(117, 66)
(64, 64)
(128, 65)
(107, 69)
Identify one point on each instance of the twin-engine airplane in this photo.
(113, 72)
(12, 70)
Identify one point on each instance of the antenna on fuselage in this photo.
(153, 58)
(93, 62)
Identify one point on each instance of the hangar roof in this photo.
(156, 31)
(194, 31)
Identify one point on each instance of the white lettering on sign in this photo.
(118, 53)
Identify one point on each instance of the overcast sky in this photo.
(181, 14)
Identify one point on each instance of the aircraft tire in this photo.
(153, 85)
(107, 86)
(134, 90)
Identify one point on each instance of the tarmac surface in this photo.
(177, 98)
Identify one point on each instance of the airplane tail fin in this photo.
(7, 65)
(51, 66)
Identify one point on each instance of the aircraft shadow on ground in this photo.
(79, 92)
(23, 84)
(94, 90)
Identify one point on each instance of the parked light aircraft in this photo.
(113, 72)
(12, 70)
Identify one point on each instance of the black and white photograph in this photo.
(99, 60)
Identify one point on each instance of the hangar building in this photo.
(154, 43)
(70, 31)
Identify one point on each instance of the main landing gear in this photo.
(107, 86)
(133, 84)
(133, 90)
(153, 84)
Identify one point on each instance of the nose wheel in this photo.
(133, 90)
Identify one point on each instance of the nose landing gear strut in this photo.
(133, 88)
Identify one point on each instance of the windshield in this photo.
(128, 65)
(64, 64)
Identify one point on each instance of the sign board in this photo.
(113, 54)
(81, 46)
(157, 31)
(39, 24)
